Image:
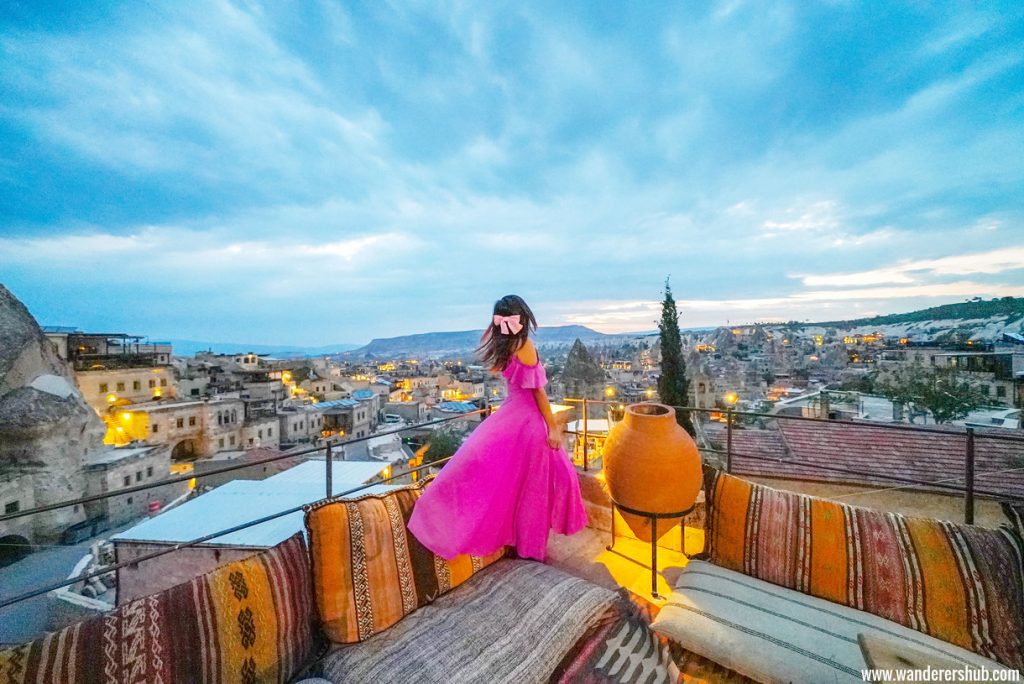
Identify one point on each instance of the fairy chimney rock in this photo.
(46, 428)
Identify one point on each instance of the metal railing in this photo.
(970, 435)
(328, 465)
(226, 469)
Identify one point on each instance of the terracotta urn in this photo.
(651, 464)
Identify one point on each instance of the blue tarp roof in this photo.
(241, 501)
(457, 406)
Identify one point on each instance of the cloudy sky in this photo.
(320, 172)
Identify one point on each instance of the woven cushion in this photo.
(511, 623)
(368, 571)
(250, 621)
(959, 583)
(775, 634)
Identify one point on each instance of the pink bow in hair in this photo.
(510, 325)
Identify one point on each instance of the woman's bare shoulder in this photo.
(527, 353)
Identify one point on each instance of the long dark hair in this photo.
(497, 348)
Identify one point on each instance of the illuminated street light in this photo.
(731, 398)
(609, 391)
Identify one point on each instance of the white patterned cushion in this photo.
(774, 634)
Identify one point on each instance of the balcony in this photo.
(943, 473)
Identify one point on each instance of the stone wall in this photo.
(157, 574)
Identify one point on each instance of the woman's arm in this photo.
(528, 355)
(554, 427)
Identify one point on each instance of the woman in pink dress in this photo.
(511, 482)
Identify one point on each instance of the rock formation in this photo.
(46, 428)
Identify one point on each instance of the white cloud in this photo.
(992, 262)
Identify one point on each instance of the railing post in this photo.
(969, 479)
(728, 440)
(329, 460)
(585, 438)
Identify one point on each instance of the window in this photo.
(195, 392)
(104, 387)
(152, 384)
(120, 387)
(130, 499)
(260, 435)
(220, 418)
(156, 428)
(149, 471)
(231, 440)
(138, 476)
(163, 382)
(127, 481)
(250, 441)
(234, 416)
(181, 422)
(12, 507)
(220, 443)
(136, 385)
(1001, 391)
(270, 432)
(192, 420)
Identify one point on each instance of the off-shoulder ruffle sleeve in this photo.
(527, 377)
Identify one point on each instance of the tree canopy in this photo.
(673, 387)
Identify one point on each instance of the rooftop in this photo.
(239, 501)
(117, 454)
(820, 451)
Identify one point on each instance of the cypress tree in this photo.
(673, 387)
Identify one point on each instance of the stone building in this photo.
(190, 429)
(118, 468)
(261, 431)
(107, 389)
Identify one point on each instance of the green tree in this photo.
(939, 390)
(443, 443)
(673, 387)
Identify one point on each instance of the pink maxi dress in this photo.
(505, 485)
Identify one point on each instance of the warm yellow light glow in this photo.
(111, 398)
(609, 391)
(387, 471)
(731, 398)
(157, 393)
(286, 377)
(650, 392)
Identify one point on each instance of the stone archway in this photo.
(13, 548)
(185, 450)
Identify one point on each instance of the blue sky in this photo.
(319, 172)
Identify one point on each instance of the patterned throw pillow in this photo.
(959, 583)
(368, 570)
(251, 621)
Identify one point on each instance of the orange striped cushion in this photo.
(368, 571)
(959, 583)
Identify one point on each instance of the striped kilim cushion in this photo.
(369, 571)
(773, 634)
(959, 583)
(250, 622)
(512, 623)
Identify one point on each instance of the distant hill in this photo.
(464, 341)
(192, 347)
(978, 320)
(1010, 307)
